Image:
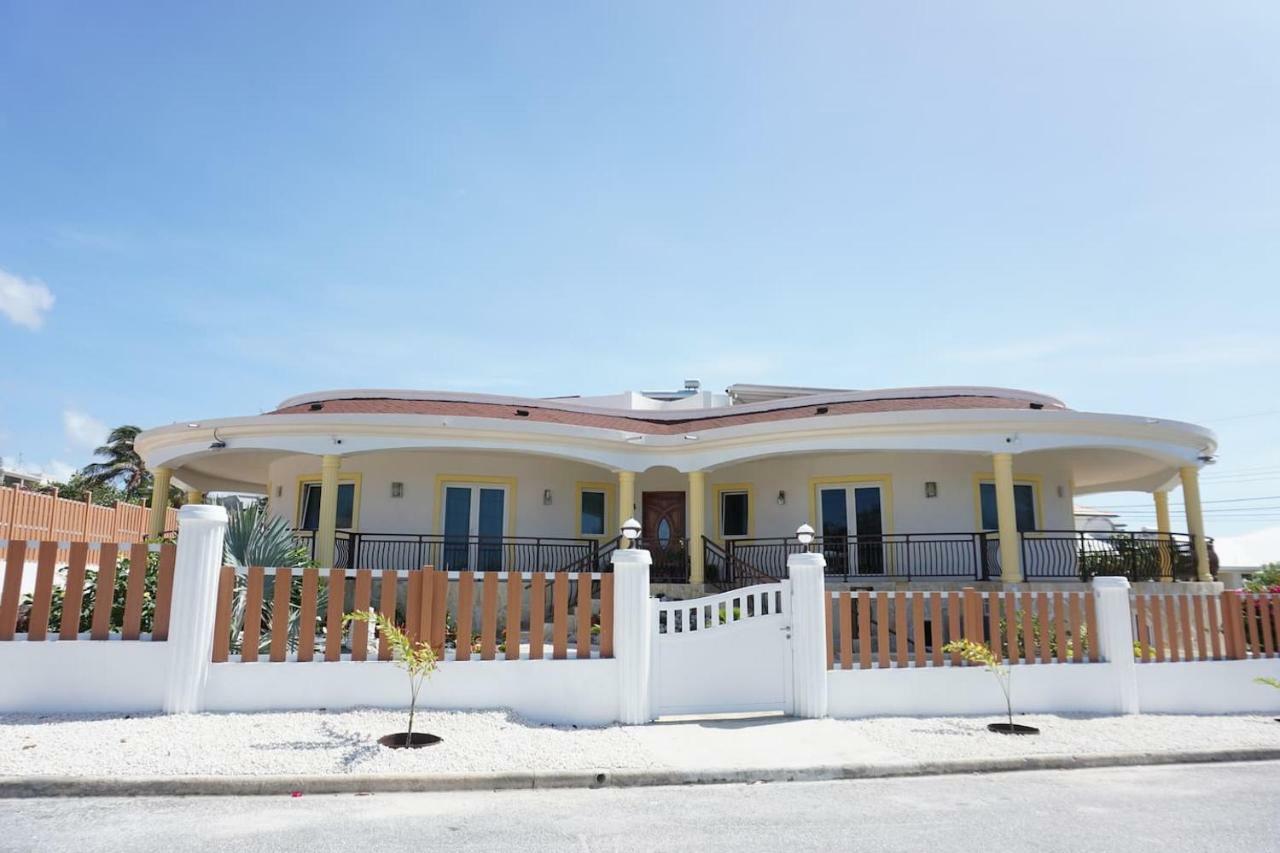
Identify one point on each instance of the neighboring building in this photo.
(1096, 521)
(20, 479)
(932, 483)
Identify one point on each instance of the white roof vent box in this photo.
(690, 389)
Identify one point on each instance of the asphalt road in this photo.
(1206, 807)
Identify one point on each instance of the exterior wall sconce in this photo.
(782, 497)
(1062, 493)
(931, 489)
(279, 491)
(546, 497)
(397, 490)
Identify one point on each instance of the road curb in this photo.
(18, 787)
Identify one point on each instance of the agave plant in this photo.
(255, 538)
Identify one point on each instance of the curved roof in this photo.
(662, 422)
(1106, 451)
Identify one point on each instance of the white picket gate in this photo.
(723, 653)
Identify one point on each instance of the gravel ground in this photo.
(346, 742)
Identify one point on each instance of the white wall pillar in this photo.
(632, 634)
(201, 528)
(1115, 639)
(808, 624)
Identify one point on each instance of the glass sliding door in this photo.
(490, 523)
(870, 554)
(834, 528)
(851, 521)
(475, 520)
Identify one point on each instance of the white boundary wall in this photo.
(82, 676)
(85, 676)
(546, 691)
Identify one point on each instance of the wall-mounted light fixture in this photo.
(397, 490)
(546, 497)
(931, 489)
(1062, 493)
(782, 497)
(279, 491)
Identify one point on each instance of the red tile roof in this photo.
(697, 420)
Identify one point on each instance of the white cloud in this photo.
(58, 470)
(1249, 549)
(24, 302)
(83, 430)
(55, 469)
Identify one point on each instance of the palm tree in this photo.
(123, 465)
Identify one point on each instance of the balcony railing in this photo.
(359, 550)
(1045, 555)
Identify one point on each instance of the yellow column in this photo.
(697, 524)
(626, 499)
(1163, 528)
(1195, 518)
(1007, 518)
(159, 500)
(328, 510)
(195, 496)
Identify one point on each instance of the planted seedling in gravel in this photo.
(972, 652)
(1270, 682)
(416, 658)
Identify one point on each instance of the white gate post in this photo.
(808, 624)
(632, 633)
(1115, 639)
(195, 591)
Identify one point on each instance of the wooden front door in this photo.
(663, 533)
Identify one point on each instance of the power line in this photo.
(1218, 501)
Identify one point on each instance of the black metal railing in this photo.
(1045, 555)
(903, 556)
(725, 572)
(1048, 554)
(670, 558)
(360, 550)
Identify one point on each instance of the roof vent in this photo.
(315, 407)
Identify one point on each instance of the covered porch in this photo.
(889, 515)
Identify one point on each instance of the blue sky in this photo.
(205, 208)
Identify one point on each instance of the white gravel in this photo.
(346, 742)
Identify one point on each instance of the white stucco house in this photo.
(945, 483)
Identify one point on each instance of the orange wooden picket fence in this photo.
(457, 613)
(29, 515)
(880, 630)
(1232, 626)
(74, 580)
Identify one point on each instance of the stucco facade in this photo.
(914, 461)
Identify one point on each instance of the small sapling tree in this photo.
(972, 652)
(416, 658)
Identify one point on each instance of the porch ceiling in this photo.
(1111, 470)
(226, 470)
